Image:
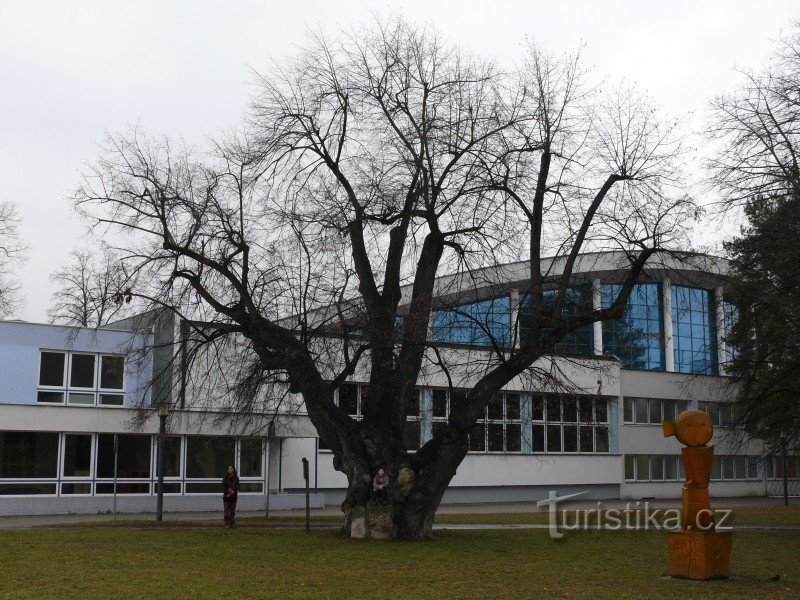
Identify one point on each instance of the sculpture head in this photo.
(692, 428)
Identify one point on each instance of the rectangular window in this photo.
(670, 468)
(577, 302)
(728, 468)
(172, 450)
(513, 437)
(752, 467)
(27, 489)
(46, 397)
(512, 407)
(641, 410)
(694, 330)
(439, 398)
(348, 399)
(51, 369)
(25, 455)
(740, 467)
(570, 438)
(652, 411)
(80, 376)
(655, 411)
(587, 439)
(485, 323)
(477, 437)
(112, 372)
(82, 371)
(537, 438)
(77, 455)
(133, 456)
(495, 436)
(642, 467)
(537, 408)
(554, 438)
(112, 399)
(208, 457)
(637, 339)
(657, 468)
(169, 488)
(601, 443)
(411, 435)
(627, 414)
(630, 467)
(80, 398)
(123, 488)
(250, 457)
(716, 468)
(500, 429)
(76, 488)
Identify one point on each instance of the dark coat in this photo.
(230, 483)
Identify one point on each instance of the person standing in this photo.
(230, 492)
(380, 487)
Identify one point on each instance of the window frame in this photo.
(67, 389)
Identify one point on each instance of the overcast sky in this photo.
(70, 71)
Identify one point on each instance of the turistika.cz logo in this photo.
(636, 516)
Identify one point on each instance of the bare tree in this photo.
(756, 130)
(370, 165)
(12, 251)
(91, 290)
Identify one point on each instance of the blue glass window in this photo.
(578, 302)
(694, 330)
(637, 338)
(478, 324)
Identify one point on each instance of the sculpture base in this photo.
(699, 554)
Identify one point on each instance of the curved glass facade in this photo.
(578, 302)
(478, 324)
(694, 330)
(637, 339)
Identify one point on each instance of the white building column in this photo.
(669, 342)
(721, 333)
(597, 326)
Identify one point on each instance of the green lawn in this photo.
(254, 561)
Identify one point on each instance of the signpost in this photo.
(308, 496)
(270, 437)
(116, 454)
(163, 410)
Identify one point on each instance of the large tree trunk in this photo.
(416, 486)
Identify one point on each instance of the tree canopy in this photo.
(372, 163)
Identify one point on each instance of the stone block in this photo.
(358, 528)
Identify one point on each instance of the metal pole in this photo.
(266, 485)
(785, 463)
(308, 496)
(162, 463)
(116, 455)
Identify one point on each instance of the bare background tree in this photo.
(12, 253)
(757, 169)
(370, 164)
(756, 130)
(92, 290)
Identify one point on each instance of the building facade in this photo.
(71, 391)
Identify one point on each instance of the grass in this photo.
(765, 514)
(192, 560)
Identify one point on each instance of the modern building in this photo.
(69, 392)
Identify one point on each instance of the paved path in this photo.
(25, 522)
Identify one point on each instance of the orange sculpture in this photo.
(698, 551)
